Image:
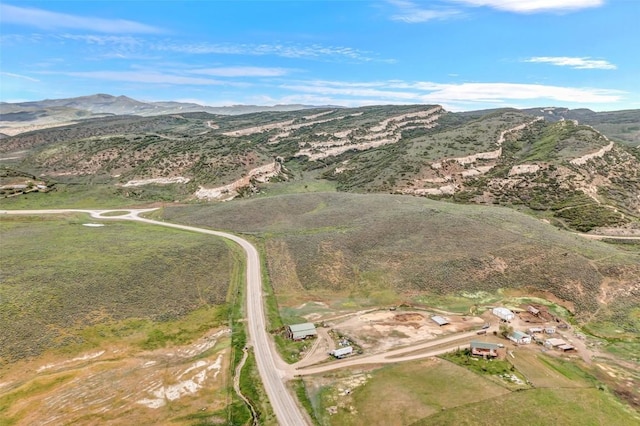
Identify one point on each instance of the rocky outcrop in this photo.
(157, 181)
(598, 154)
(387, 131)
(521, 169)
(232, 190)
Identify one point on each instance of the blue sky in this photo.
(462, 54)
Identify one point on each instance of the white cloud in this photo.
(414, 12)
(358, 91)
(411, 13)
(242, 72)
(533, 6)
(22, 77)
(314, 51)
(104, 40)
(484, 92)
(45, 19)
(311, 99)
(573, 62)
(145, 77)
(144, 46)
(454, 94)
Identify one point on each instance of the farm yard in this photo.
(379, 331)
(365, 394)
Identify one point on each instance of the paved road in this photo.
(268, 361)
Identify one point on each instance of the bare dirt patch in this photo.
(383, 330)
(410, 317)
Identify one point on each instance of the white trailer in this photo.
(342, 352)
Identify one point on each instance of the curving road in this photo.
(273, 371)
(283, 403)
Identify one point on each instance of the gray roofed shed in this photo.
(301, 331)
(439, 320)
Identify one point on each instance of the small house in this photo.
(439, 320)
(484, 349)
(301, 331)
(342, 352)
(534, 330)
(519, 337)
(503, 313)
(550, 330)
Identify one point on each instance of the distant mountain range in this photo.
(19, 117)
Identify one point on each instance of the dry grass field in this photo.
(60, 276)
(114, 322)
(331, 254)
(349, 250)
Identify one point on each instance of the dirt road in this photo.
(268, 361)
(273, 370)
(409, 353)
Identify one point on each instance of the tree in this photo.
(505, 330)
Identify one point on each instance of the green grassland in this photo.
(64, 284)
(495, 369)
(441, 393)
(540, 407)
(404, 393)
(84, 196)
(556, 142)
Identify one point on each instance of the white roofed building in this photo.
(504, 314)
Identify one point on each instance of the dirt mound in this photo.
(408, 317)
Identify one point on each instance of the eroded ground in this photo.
(108, 385)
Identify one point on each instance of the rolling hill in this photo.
(568, 172)
(388, 249)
